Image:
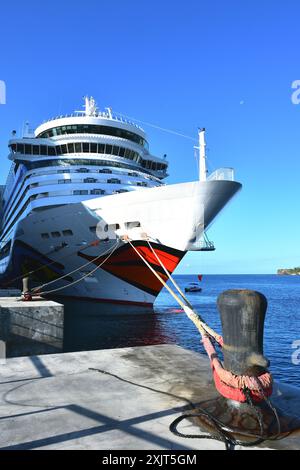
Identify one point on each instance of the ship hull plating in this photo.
(80, 249)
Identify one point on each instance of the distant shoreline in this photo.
(289, 272)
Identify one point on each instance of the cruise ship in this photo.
(85, 210)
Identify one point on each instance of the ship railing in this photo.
(99, 114)
(204, 244)
(224, 174)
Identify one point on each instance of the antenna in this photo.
(109, 112)
(90, 106)
(202, 155)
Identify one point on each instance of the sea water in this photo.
(90, 325)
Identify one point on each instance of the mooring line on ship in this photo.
(29, 273)
(207, 328)
(188, 309)
(249, 387)
(68, 274)
(35, 291)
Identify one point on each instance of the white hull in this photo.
(173, 216)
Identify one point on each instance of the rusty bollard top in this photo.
(242, 315)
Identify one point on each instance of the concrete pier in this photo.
(28, 328)
(110, 399)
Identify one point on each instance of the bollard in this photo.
(26, 296)
(242, 316)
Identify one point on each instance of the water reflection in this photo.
(93, 325)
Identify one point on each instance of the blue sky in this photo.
(227, 66)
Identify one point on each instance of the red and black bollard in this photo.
(242, 315)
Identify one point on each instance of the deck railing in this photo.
(225, 174)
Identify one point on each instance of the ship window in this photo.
(82, 170)
(80, 192)
(97, 191)
(13, 147)
(96, 163)
(78, 148)
(114, 181)
(67, 233)
(58, 150)
(122, 152)
(93, 229)
(95, 129)
(71, 148)
(115, 150)
(28, 149)
(108, 149)
(101, 148)
(141, 183)
(43, 150)
(45, 235)
(93, 148)
(113, 226)
(35, 149)
(130, 225)
(64, 148)
(64, 181)
(55, 234)
(90, 180)
(51, 151)
(20, 148)
(85, 147)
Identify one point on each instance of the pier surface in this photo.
(109, 399)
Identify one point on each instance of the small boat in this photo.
(193, 287)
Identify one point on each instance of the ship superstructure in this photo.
(90, 177)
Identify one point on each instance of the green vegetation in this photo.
(292, 271)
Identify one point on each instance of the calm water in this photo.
(91, 325)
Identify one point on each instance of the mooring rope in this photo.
(30, 273)
(196, 319)
(190, 312)
(78, 269)
(251, 388)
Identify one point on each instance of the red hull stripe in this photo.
(128, 266)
